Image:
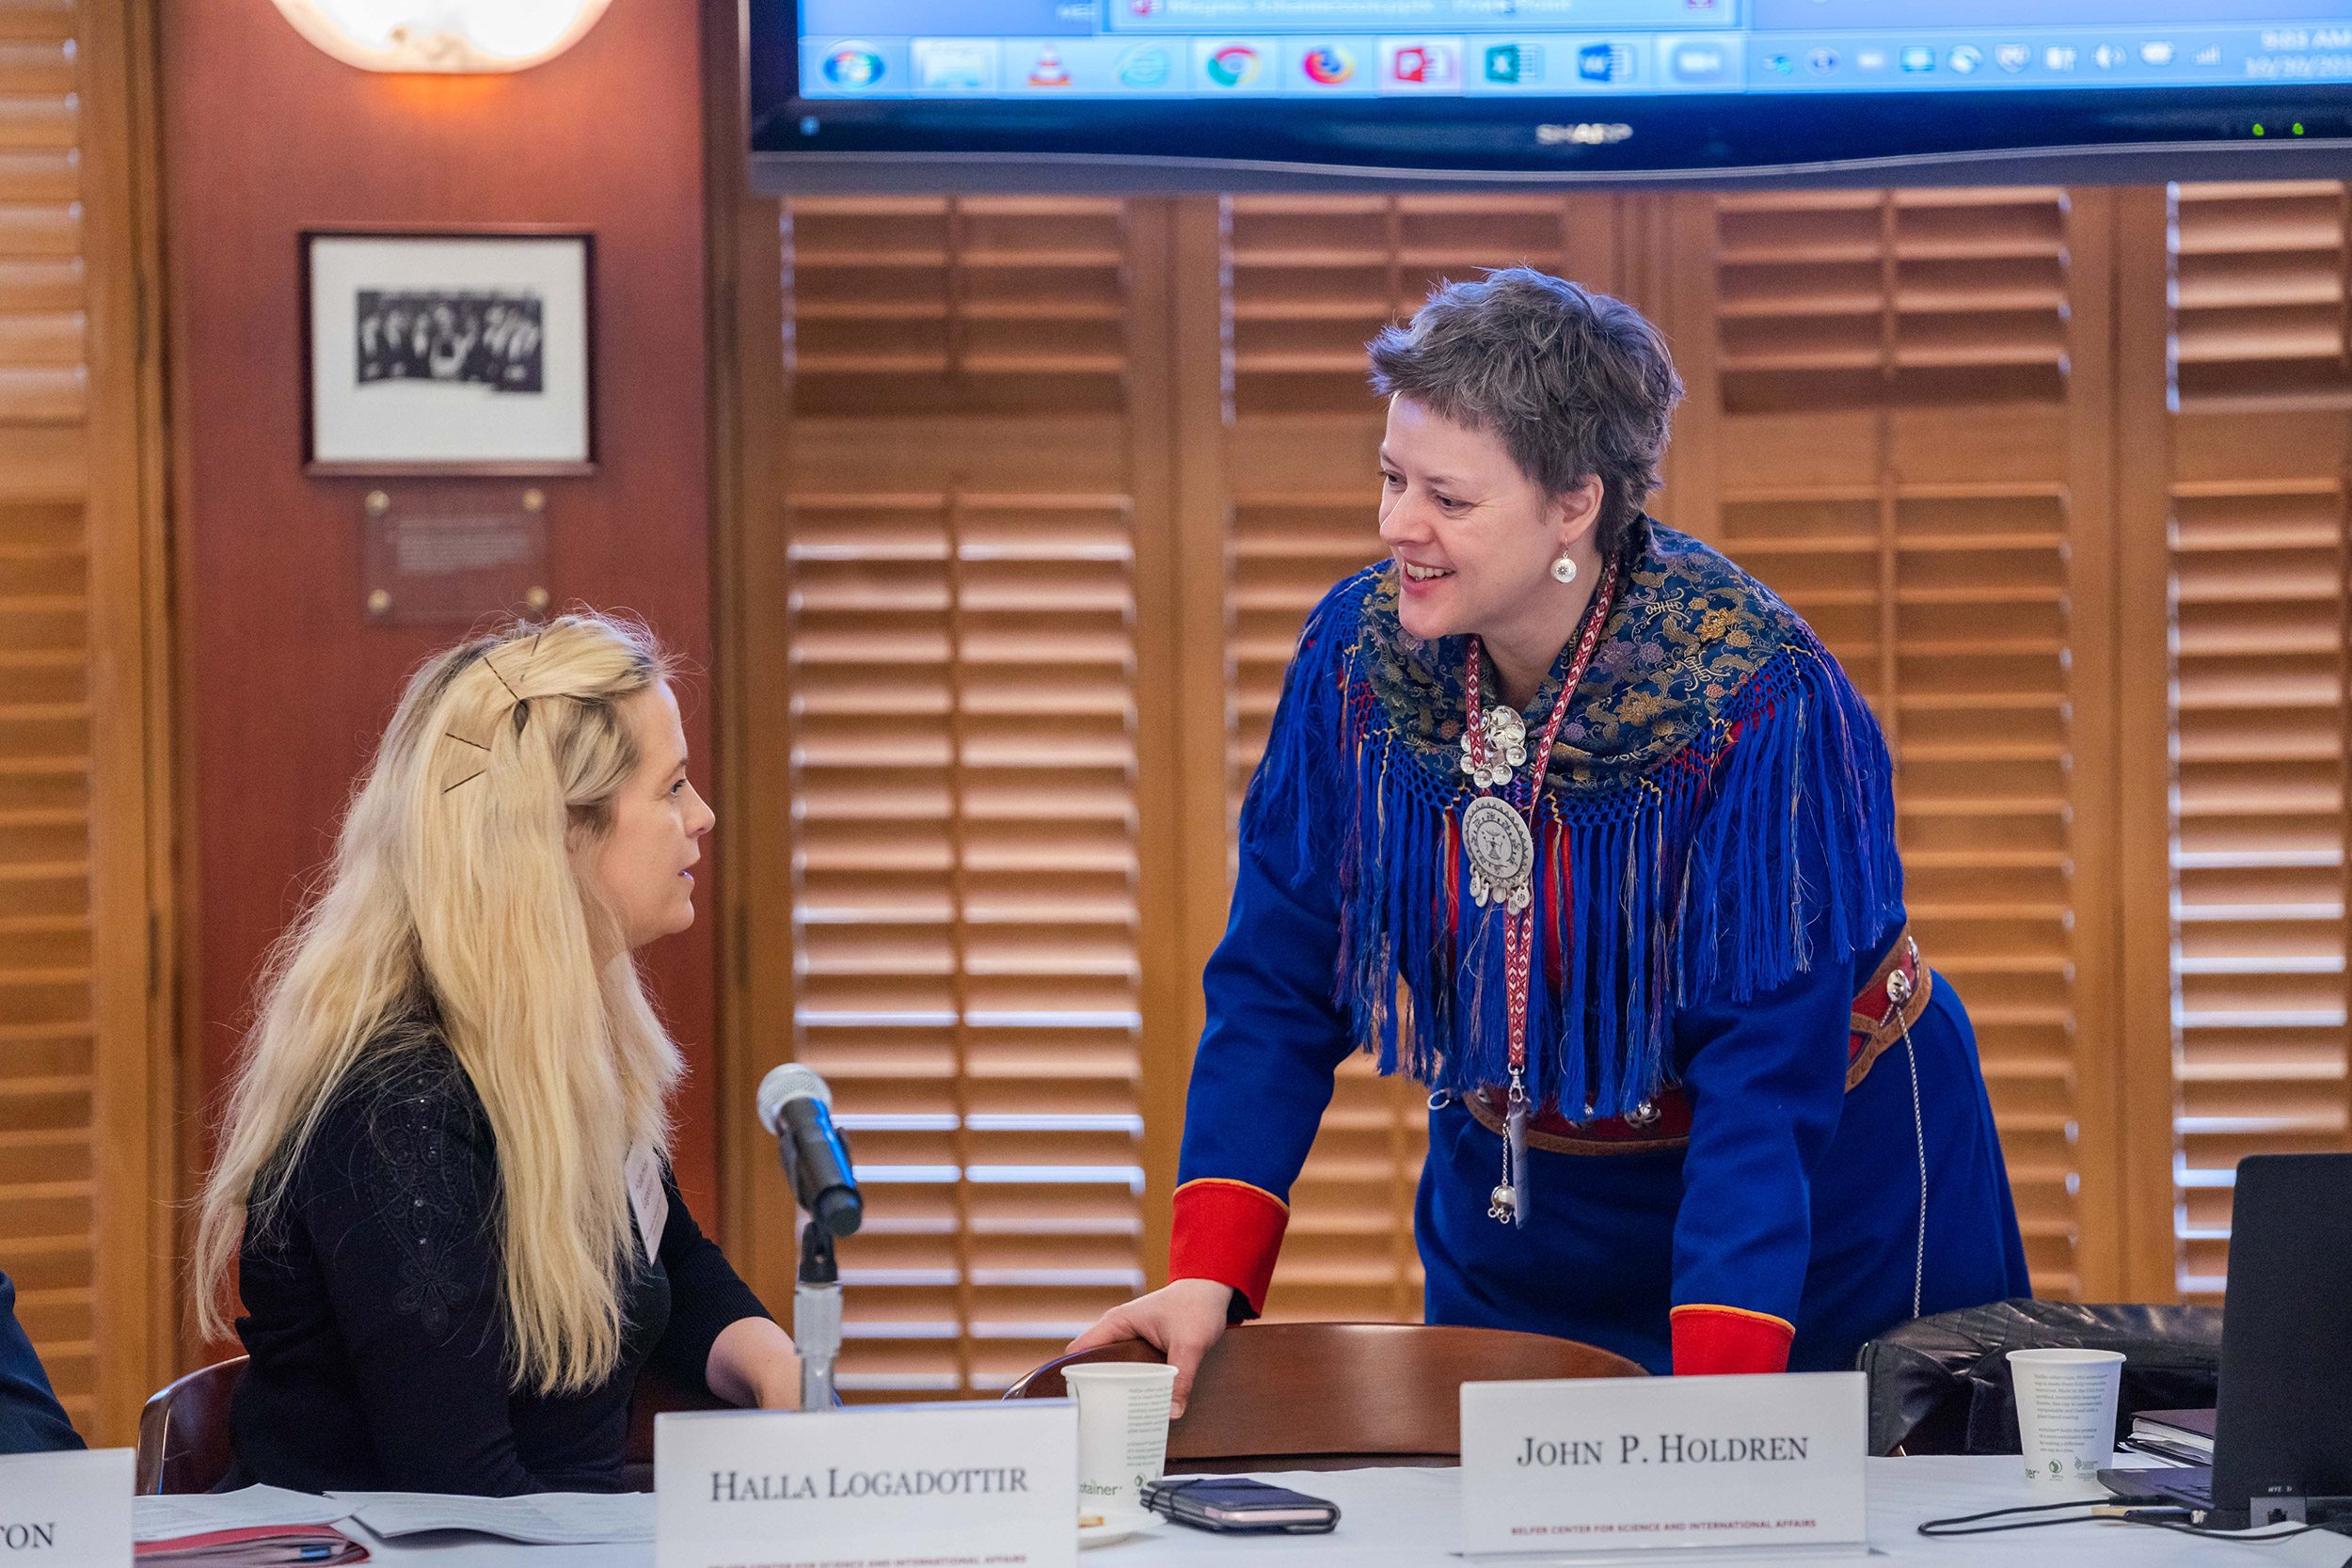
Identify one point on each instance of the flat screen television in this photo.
(1238, 94)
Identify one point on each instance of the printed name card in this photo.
(1596, 1463)
(66, 1510)
(888, 1486)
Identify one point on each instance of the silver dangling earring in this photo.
(1564, 569)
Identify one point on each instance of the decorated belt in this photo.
(1883, 1011)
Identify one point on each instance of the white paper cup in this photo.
(1122, 1433)
(2066, 1413)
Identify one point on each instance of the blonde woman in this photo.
(442, 1175)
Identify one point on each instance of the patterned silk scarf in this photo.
(1711, 746)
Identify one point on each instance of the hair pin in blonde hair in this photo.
(529, 654)
(472, 757)
(467, 765)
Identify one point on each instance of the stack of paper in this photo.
(255, 1546)
(264, 1527)
(260, 1527)
(2182, 1436)
(544, 1519)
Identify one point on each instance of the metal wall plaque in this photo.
(443, 554)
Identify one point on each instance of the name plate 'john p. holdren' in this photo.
(879, 1487)
(1589, 1465)
(66, 1510)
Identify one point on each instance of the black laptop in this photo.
(2282, 1437)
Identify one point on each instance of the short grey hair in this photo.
(1573, 383)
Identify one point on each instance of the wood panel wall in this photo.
(85, 1068)
(287, 684)
(2004, 447)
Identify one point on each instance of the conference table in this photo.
(1411, 1518)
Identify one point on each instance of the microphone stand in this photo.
(816, 1317)
(827, 1195)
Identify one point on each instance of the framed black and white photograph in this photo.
(458, 353)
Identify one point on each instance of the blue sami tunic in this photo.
(1734, 1174)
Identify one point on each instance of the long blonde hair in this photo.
(455, 888)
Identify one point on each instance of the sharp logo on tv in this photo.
(1591, 134)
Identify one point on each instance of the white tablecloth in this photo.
(1397, 1518)
(1412, 1519)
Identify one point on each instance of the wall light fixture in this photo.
(443, 35)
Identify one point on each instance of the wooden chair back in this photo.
(1339, 1396)
(184, 1431)
(657, 1391)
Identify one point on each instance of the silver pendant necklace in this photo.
(1500, 841)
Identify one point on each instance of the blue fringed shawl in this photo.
(1713, 749)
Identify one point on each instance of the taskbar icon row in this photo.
(1304, 67)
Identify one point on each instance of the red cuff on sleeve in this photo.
(1229, 1231)
(1710, 1340)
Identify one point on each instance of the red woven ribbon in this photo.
(1519, 928)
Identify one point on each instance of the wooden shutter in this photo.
(1887, 402)
(2262, 388)
(961, 690)
(78, 1167)
(48, 1218)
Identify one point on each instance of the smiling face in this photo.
(639, 865)
(1473, 537)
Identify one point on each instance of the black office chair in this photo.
(1940, 1384)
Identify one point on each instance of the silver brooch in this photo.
(1506, 736)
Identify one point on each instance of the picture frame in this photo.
(449, 353)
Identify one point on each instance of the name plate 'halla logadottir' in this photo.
(994, 1483)
(971, 1480)
(1596, 1463)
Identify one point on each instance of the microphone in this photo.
(797, 1107)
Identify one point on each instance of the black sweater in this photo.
(375, 1318)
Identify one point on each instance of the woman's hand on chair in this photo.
(1182, 1318)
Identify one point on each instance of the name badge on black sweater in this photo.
(644, 1173)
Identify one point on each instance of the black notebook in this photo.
(2188, 1429)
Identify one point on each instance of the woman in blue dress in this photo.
(1576, 822)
